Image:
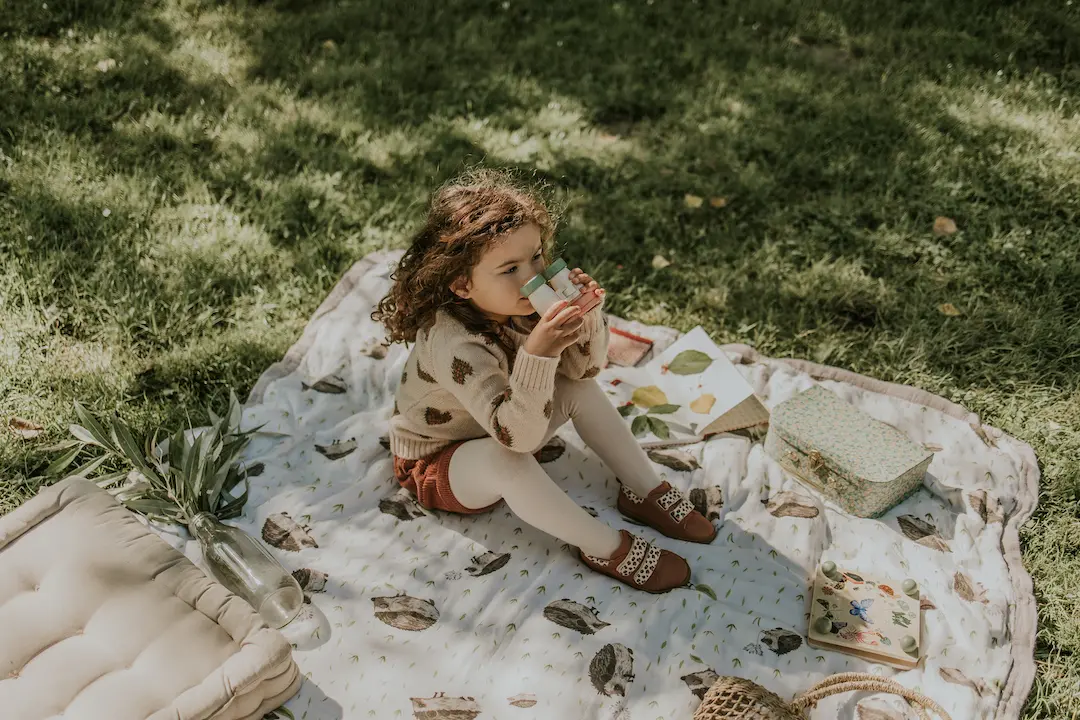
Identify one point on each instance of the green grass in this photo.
(170, 223)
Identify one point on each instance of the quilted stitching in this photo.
(64, 579)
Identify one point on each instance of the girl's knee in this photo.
(572, 395)
(505, 459)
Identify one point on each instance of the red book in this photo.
(626, 349)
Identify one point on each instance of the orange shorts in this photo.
(429, 480)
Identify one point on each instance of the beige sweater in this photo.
(460, 386)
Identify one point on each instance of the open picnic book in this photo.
(692, 390)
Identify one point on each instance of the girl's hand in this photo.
(557, 330)
(591, 292)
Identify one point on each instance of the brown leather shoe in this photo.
(642, 565)
(666, 509)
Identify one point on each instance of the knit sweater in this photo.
(458, 386)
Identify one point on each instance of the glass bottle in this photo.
(244, 566)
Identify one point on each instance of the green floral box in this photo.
(863, 465)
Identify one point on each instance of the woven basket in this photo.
(735, 698)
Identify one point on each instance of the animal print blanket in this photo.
(430, 615)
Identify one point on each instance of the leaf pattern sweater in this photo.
(458, 385)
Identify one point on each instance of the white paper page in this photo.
(721, 379)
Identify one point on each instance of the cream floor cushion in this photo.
(101, 620)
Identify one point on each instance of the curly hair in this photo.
(466, 216)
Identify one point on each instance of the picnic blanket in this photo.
(432, 615)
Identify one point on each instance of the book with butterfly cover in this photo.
(873, 618)
(689, 392)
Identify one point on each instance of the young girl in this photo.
(488, 382)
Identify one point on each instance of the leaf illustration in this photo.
(703, 404)
(627, 410)
(552, 451)
(979, 430)
(934, 542)
(640, 426)
(792, 504)
(864, 712)
(705, 590)
(922, 532)
(690, 362)
(663, 409)
(649, 396)
(986, 506)
(969, 590)
(956, 677)
(675, 459)
(525, 700)
(659, 428)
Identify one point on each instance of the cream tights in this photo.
(482, 472)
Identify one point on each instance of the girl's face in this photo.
(494, 286)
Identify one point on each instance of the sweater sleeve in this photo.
(587, 357)
(514, 410)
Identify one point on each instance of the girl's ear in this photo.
(461, 288)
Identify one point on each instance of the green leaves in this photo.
(627, 410)
(59, 464)
(690, 362)
(91, 429)
(659, 428)
(705, 590)
(666, 409)
(645, 423)
(679, 460)
(196, 473)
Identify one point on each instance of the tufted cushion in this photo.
(101, 620)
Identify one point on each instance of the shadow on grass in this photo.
(809, 139)
(51, 19)
(789, 112)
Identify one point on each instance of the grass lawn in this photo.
(182, 181)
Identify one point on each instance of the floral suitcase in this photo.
(863, 465)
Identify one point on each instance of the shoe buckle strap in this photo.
(684, 508)
(633, 558)
(648, 565)
(668, 499)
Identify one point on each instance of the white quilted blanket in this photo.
(438, 616)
